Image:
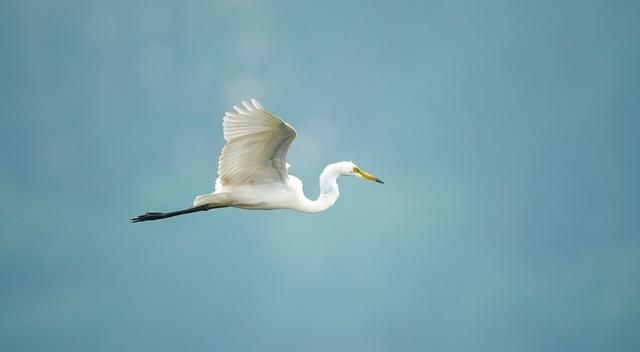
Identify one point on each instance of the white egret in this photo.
(252, 169)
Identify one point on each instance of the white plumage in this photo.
(253, 169)
(257, 145)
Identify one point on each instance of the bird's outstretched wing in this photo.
(256, 149)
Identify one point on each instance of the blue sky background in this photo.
(507, 133)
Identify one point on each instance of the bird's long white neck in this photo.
(329, 191)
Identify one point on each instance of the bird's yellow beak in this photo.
(366, 175)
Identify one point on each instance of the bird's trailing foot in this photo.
(149, 216)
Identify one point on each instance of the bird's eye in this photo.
(356, 169)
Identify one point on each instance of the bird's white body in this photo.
(277, 195)
(253, 169)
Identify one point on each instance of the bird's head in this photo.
(348, 168)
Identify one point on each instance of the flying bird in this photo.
(253, 169)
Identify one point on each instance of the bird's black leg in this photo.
(158, 215)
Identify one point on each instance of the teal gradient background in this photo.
(507, 133)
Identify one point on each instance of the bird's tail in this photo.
(211, 198)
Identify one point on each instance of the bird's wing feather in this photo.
(256, 149)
